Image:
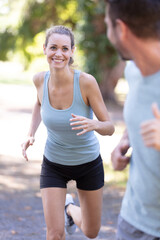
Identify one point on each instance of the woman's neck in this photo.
(60, 77)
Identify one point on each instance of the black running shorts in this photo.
(88, 176)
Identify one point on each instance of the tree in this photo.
(86, 18)
(101, 58)
(35, 17)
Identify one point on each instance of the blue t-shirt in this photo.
(63, 146)
(141, 203)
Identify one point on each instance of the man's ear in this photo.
(44, 49)
(122, 29)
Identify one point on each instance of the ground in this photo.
(21, 213)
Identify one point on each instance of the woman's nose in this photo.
(58, 52)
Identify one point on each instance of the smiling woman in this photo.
(61, 30)
(58, 50)
(66, 100)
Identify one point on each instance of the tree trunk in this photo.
(109, 81)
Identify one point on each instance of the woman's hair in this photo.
(141, 16)
(63, 31)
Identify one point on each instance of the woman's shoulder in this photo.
(38, 78)
(87, 79)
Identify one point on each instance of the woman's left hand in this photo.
(82, 123)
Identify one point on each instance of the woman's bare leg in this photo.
(53, 200)
(88, 216)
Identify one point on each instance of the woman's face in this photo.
(58, 50)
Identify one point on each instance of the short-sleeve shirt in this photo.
(141, 203)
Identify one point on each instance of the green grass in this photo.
(20, 78)
(117, 178)
(13, 73)
(15, 81)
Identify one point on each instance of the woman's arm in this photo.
(36, 119)
(92, 96)
(36, 116)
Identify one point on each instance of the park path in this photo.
(21, 213)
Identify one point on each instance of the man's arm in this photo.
(118, 156)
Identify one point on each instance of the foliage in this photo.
(36, 16)
(115, 178)
(99, 53)
(25, 35)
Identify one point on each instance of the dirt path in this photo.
(21, 213)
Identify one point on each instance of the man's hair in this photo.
(141, 16)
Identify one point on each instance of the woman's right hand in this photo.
(29, 141)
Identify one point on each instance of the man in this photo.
(134, 30)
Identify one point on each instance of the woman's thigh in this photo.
(53, 200)
(91, 208)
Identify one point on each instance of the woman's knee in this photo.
(55, 234)
(92, 232)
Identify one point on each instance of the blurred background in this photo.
(22, 33)
(23, 24)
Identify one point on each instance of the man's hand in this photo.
(118, 157)
(150, 130)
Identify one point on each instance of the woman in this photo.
(66, 100)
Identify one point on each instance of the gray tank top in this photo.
(63, 146)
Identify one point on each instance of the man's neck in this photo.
(146, 55)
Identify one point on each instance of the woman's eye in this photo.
(65, 49)
(53, 48)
